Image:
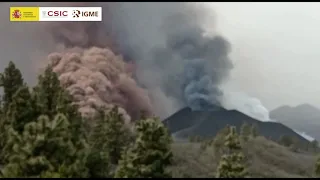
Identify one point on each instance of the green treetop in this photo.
(45, 149)
(231, 164)
(150, 154)
(10, 80)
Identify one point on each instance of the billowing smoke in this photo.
(97, 78)
(165, 43)
(204, 59)
(172, 55)
(88, 65)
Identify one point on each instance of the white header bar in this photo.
(70, 14)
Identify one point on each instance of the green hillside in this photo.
(266, 160)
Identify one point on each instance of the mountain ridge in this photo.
(303, 117)
(185, 123)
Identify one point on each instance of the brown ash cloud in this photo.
(160, 40)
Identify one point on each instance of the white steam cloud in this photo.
(248, 105)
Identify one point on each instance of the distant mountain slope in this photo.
(304, 117)
(186, 123)
(266, 159)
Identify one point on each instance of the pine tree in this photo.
(111, 134)
(231, 164)
(314, 145)
(254, 131)
(218, 141)
(19, 113)
(98, 164)
(3, 137)
(45, 149)
(47, 94)
(245, 132)
(20, 110)
(50, 98)
(70, 110)
(150, 154)
(10, 80)
(1, 105)
(317, 168)
(109, 137)
(220, 136)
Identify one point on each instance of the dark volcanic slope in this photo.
(305, 118)
(207, 123)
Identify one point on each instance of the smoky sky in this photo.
(174, 61)
(167, 43)
(273, 48)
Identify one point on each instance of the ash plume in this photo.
(165, 43)
(96, 77)
(83, 56)
(89, 68)
(205, 60)
(172, 54)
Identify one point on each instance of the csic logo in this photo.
(55, 13)
(16, 14)
(77, 13)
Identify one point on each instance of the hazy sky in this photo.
(276, 47)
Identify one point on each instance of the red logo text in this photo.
(57, 13)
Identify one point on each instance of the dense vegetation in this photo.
(43, 135)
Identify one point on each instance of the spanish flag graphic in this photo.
(24, 13)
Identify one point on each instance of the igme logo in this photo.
(90, 14)
(78, 13)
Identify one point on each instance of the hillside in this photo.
(304, 117)
(266, 160)
(41, 140)
(187, 123)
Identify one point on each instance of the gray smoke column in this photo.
(205, 61)
(175, 61)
